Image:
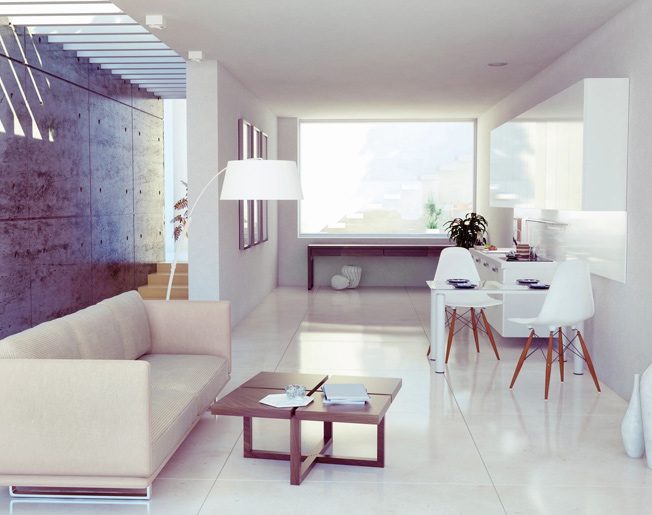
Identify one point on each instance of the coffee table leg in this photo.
(295, 451)
(328, 435)
(380, 443)
(247, 436)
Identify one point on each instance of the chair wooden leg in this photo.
(561, 355)
(474, 324)
(549, 363)
(490, 333)
(522, 358)
(451, 333)
(589, 362)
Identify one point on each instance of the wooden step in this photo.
(161, 279)
(158, 292)
(182, 268)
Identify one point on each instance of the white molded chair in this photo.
(457, 263)
(569, 302)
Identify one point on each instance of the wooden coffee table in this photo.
(244, 402)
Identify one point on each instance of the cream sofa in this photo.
(102, 398)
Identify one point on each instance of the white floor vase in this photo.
(632, 425)
(645, 391)
(353, 273)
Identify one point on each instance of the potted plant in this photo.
(432, 214)
(468, 231)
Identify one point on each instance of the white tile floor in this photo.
(458, 443)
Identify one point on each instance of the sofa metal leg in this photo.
(128, 494)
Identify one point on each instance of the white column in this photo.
(203, 242)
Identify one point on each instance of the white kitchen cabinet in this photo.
(494, 267)
(566, 153)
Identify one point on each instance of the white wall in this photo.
(218, 269)
(246, 276)
(176, 170)
(292, 269)
(203, 243)
(620, 48)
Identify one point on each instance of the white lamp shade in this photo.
(261, 179)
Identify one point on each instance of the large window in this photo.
(389, 178)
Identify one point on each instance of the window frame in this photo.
(389, 236)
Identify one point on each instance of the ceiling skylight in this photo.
(25, 8)
(88, 29)
(104, 38)
(72, 19)
(102, 33)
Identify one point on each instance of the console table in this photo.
(364, 249)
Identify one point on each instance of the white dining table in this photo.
(438, 290)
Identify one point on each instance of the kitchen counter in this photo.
(492, 266)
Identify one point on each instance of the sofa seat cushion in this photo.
(182, 387)
(173, 413)
(201, 375)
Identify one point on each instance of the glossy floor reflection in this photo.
(458, 443)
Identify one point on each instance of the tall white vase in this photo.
(632, 425)
(645, 390)
(353, 273)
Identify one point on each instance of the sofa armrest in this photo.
(75, 417)
(190, 327)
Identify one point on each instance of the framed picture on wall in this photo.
(245, 151)
(253, 230)
(263, 203)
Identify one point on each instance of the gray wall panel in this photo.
(148, 163)
(109, 84)
(149, 244)
(64, 244)
(112, 178)
(112, 255)
(143, 101)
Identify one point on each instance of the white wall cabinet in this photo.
(566, 153)
(494, 267)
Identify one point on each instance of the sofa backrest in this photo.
(53, 339)
(129, 311)
(116, 328)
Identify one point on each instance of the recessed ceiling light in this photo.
(497, 64)
(195, 55)
(155, 21)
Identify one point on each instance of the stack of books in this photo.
(345, 394)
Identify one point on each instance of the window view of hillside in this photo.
(384, 178)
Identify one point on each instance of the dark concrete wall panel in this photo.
(59, 167)
(59, 290)
(149, 174)
(143, 101)
(64, 244)
(60, 241)
(109, 84)
(15, 300)
(112, 255)
(14, 189)
(15, 292)
(150, 244)
(12, 42)
(112, 178)
(50, 58)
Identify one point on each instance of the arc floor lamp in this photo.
(250, 179)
